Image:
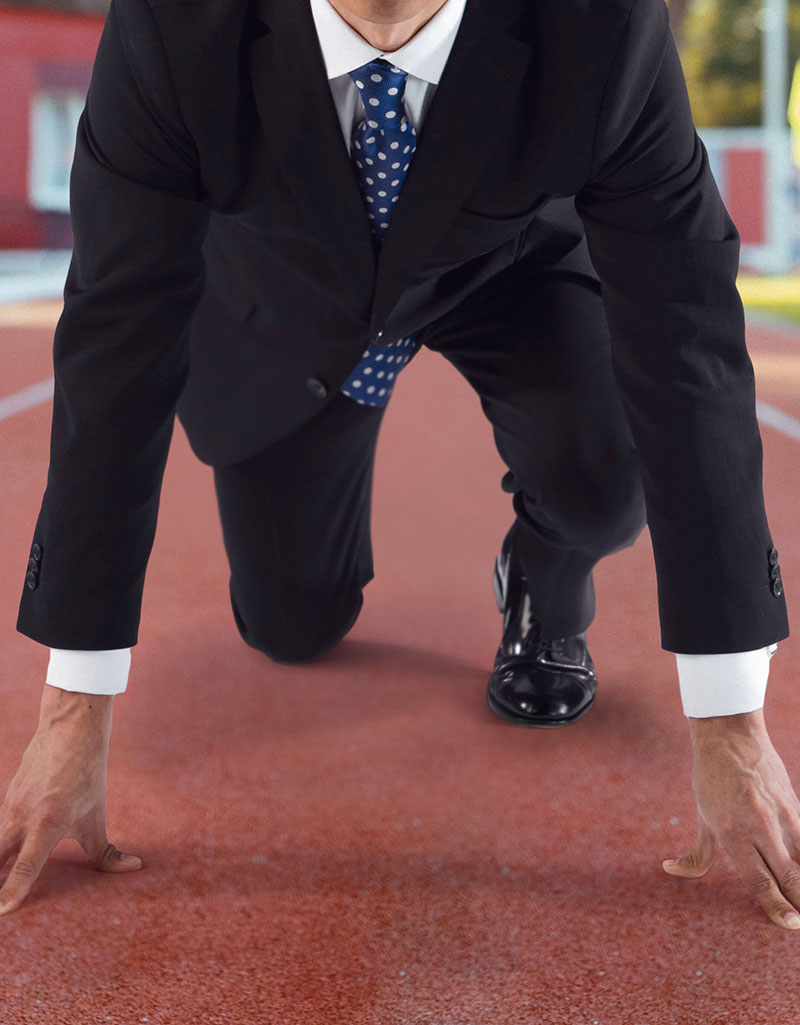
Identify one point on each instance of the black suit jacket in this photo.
(211, 176)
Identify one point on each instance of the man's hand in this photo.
(59, 791)
(746, 803)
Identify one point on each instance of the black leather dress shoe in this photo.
(537, 681)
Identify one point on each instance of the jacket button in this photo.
(36, 552)
(773, 556)
(316, 387)
(777, 587)
(378, 337)
(31, 579)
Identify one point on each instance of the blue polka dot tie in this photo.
(382, 147)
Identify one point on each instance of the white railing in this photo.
(777, 194)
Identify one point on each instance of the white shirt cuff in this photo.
(89, 672)
(727, 684)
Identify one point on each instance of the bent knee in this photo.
(619, 514)
(307, 633)
(601, 513)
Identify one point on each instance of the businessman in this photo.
(275, 204)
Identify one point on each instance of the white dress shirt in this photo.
(709, 684)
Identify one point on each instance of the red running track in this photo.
(360, 841)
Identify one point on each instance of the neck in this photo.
(387, 24)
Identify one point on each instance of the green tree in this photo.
(720, 46)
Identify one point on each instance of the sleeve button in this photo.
(31, 580)
(317, 388)
(36, 552)
(777, 587)
(773, 556)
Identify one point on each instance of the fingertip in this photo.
(686, 868)
(124, 863)
(115, 861)
(8, 905)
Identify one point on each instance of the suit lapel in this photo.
(303, 132)
(474, 100)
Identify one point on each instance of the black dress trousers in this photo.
(535, 346)
(296, 528)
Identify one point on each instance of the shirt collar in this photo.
(424, 55)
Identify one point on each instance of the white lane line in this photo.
(779, 421)
(26, 399)
(769, 416)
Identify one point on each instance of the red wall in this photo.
(35, 47)
(746, 196)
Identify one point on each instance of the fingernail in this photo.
(792, 920)
(669, 863)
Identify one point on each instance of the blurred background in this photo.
(742, 64)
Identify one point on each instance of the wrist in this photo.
(741, 722)
(717, 729)
(59, 707)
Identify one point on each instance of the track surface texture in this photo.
(359, 840)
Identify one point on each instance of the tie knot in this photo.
(381, 86)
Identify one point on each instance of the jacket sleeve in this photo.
(667, 254)
(120, 350)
